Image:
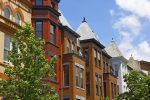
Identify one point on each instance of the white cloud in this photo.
(112, 12)
(137, 7)
(129, 27)
(129, 23)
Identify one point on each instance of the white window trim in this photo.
(79, 65)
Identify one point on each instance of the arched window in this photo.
(8, 13)
(18, 19)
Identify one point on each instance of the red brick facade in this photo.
(47, 13)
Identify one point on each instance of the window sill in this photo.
(80, 88)
(8, 63)
(66, 87)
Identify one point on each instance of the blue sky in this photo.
(127, 21)
(96, 13)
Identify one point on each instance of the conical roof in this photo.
(113, 50)
(85, 31)
(63, 20)
(134, 64)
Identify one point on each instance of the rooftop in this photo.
(85, 31)
(113, 50)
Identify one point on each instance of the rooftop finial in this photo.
(84, 20)
(112, 39)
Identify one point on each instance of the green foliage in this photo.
(139, 87)
(107, 98)
(26, 78)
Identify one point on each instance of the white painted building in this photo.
(119, 65)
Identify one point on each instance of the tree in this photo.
(139, 87)
(30, 67)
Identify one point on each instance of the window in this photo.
(53, 5)
(66, 75)
(8, 13)
(38, 2)
(53, 70)
(81, 77)
(112, 89)
(18, 19)
(38, 29)
(105, 92)
(99, 59)
(100, 85)
(106, 67)
(97, 83)
(95, 57)
(66, 99)
(73, 47)
(68, 46)
(52, 34)
(77, 76)
(7, 46)
(86, 55)
(115, 89)
(88, 83)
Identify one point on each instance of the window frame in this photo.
(39, 31)
(19, 16)
(38, 4)
(7, 49)
(66, 75)
(68, 46)
(73, 47)
(10, 13)
(52, 34)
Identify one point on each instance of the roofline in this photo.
(129, 67)
(121, 57)
(70, 30)
(93, 40)
(106, 54)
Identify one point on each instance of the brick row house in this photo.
(45, 20)
(100, 82)
(83, 69)
(74, 73)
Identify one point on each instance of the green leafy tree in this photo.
(30, 68)
(139, 87)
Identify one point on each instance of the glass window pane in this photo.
(7, 13)
(7, 42)
(38, 2)
(18, 19)
(52, 34)
(38, 30)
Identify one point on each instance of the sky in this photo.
(127, 21)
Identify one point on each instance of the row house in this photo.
(45, 20)
(100, 82)
(120, 65)
(12, 17)
(73, 64)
